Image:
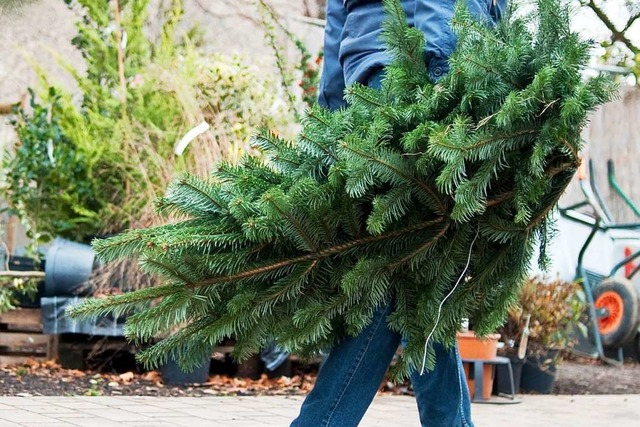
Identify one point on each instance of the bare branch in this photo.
(630, 22)
(616, 35)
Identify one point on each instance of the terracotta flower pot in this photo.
(472, 347)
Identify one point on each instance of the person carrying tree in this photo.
(351, 375)
(389, 219)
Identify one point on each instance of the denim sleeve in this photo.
(355, 53)
(362, 52)
(332, 84)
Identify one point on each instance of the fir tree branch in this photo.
(552, 172)
(96, 307)
(325, 227)
(488, 69)
(311, 114)
(499, 199)
(487, 36)
(536, 220)
(168, 270)
(276, 158)
(507, 227)
(357, 92)
(294, 222)
(483, 142)
(424, 247)
(428, 190)
(186, 182)
(573, 150)
(276, 296)
(334, 250)
(109, 245)
(209, 240)
(404, 43)
(328, 152)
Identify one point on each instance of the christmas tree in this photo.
(430, 195)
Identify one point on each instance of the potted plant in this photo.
(545, 322)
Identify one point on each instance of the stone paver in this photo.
(534, 411)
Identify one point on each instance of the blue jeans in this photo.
(350, 377)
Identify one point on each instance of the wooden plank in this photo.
(28, 352)
(10, 327)
(22, 339)
(613, 134)
(22, 316)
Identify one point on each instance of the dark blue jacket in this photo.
(353, 49)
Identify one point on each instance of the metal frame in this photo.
(602, 221)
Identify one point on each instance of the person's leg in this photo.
(442, 394)
(350, 377)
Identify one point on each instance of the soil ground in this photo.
(583, 376)
(577, 376)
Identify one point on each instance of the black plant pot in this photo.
(68, 268)
(172, 375)
(539, 373)
(502, 385)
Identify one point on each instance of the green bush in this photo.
(94, 165)
(47, 179)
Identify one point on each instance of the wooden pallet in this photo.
(21, 337)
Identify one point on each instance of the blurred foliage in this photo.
(304, 72)
(37, 185)
(93, 164)
(556, 308)
(13, 288)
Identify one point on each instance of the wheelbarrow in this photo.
(613, 300)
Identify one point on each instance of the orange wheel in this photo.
(616, 300)
(614, 306)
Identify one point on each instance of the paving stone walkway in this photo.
(534, 411)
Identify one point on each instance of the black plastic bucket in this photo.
(502, 385)
(68, 267)
(172, 375)
(539, 373)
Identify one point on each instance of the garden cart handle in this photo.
(586, 187)
(613, 182)
(596, 192)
